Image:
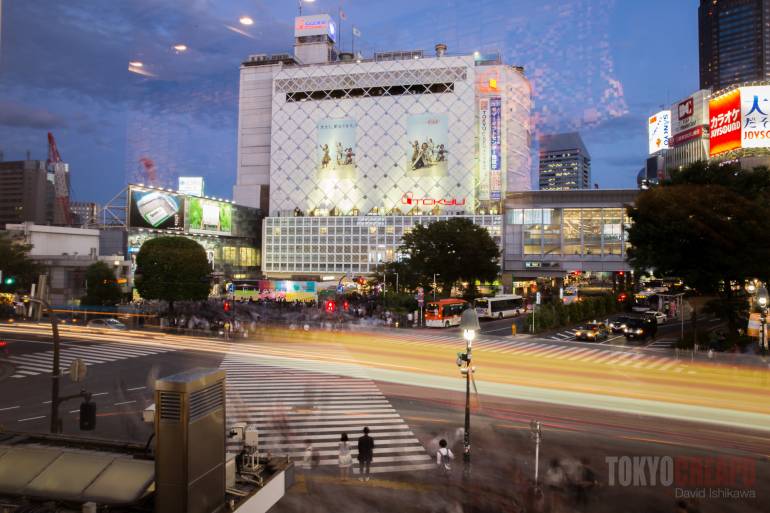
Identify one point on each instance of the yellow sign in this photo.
(755, 325)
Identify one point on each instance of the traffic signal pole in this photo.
(55, 371)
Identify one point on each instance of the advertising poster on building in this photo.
(191, 185)
(209, 217)
(755, 117)
(155, 209)
(688, 118)
(484, 149)
(725, 122)
(336, 139)
(428, 151)
(495, 159)
(659, 130)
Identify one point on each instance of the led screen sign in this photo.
(155, 209)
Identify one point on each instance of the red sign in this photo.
(409, 199)
(687, 135)
(725, 122)
(685, 109)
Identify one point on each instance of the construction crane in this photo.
(62, 214)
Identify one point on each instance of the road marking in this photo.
(135, 388)
(124, 402)
(100, 393)
(10, 408)
(75, 411)
(32, 418)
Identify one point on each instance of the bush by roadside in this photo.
(557, 315)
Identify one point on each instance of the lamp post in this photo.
(762, 300)
(469, 324)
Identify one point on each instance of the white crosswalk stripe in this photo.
(32, 364)
(292, 405)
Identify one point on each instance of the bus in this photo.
(444, 312)
(500, 306)
(645, 300)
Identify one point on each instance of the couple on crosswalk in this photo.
(311, 458)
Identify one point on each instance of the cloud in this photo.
(616, 129)
(24, 116)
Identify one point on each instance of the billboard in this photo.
(192, 185)
(155, 209)
(336, 148)
(485, 149)
(315, 25)
(495, 158)
(725, 122)
(209, 216)
(659, 131)
(755, 119)
(688, 117)
(428, 138)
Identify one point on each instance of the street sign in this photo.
(537, 298)
(230, 287)
(340, 289)
(77, 370)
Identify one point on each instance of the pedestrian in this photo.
(310, 460)
(587, 482)
(346, 459)
(365, 454)
(554, 481)
(444, 458)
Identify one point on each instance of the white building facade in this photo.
(399, 135)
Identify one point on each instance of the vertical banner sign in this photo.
(755, 116)
(725, 122)
(495, 163)
(484, 149)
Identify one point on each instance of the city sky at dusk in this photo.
(597, 66)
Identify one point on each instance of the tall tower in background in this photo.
(734, 42)
(565, 163)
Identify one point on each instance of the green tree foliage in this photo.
(708, 225)
(456, 249)
(557, 315)
(15, 262)
(173, 269)
(102, 289)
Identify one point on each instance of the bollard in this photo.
(513, 329)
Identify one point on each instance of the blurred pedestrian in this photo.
(444, 458)
(586, 484)
(365, 454)
(345, 458)
(554, 480)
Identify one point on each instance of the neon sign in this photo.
(409, 199)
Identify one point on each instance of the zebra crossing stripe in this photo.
(586, 356)
(571, 354)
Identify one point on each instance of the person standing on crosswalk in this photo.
(444, 458)
(365, 454)
(346, 459)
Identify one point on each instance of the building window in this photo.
(229, 255)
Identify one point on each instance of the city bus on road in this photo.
(500, 306)
(444, 312)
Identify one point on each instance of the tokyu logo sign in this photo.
(409, 199)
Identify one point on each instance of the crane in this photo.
(61, 184)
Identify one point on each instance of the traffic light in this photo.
(87, 416)
(226, 306)
(330, 306)
(9, 280)
(346, 305)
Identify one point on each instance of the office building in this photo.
(84, 213)
(399, 135)
(565, 163)
(734, 42)
(26, 194)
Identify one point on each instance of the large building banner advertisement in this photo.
(428, 145)
(484, 149)
(496, 154)
(725, 122)
(336, 150)
(153, 209)
(209, 217)
(755, 116)
(659, 131)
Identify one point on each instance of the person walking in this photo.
(444, 458)
(345, 458)
(586, 484)
(554, 480)
(365, 454)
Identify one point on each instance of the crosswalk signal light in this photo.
(9, 280)
(87, 416)
(330, 306)
(346, 305)
(226, 306)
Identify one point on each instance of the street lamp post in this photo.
(762, 301)
(469, 324)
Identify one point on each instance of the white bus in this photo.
(500, 306)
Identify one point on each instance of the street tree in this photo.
(173, 269)
(102, 288)
(457, 250)
(18, 268)
(708, 225)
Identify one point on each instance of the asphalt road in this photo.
(589, 398)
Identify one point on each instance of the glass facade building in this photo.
(340, 244)
(565, 163)
(734, 42)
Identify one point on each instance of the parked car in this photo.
(640, 329)
(592, 331)
(618, 324)
(109, 323)
(659, 317)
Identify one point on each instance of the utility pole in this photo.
(469, 324)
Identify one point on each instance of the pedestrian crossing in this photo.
(290, 406)
(563, 335)
(32, 364)
(662, 344)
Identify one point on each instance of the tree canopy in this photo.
(15, 263)
(102, 289)
(455, 249)
(172, 269)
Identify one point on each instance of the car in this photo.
(659, 317)
(640, 329)
(109, 323)
(592, 331)
(618, 324)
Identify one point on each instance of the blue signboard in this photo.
(495, 160)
